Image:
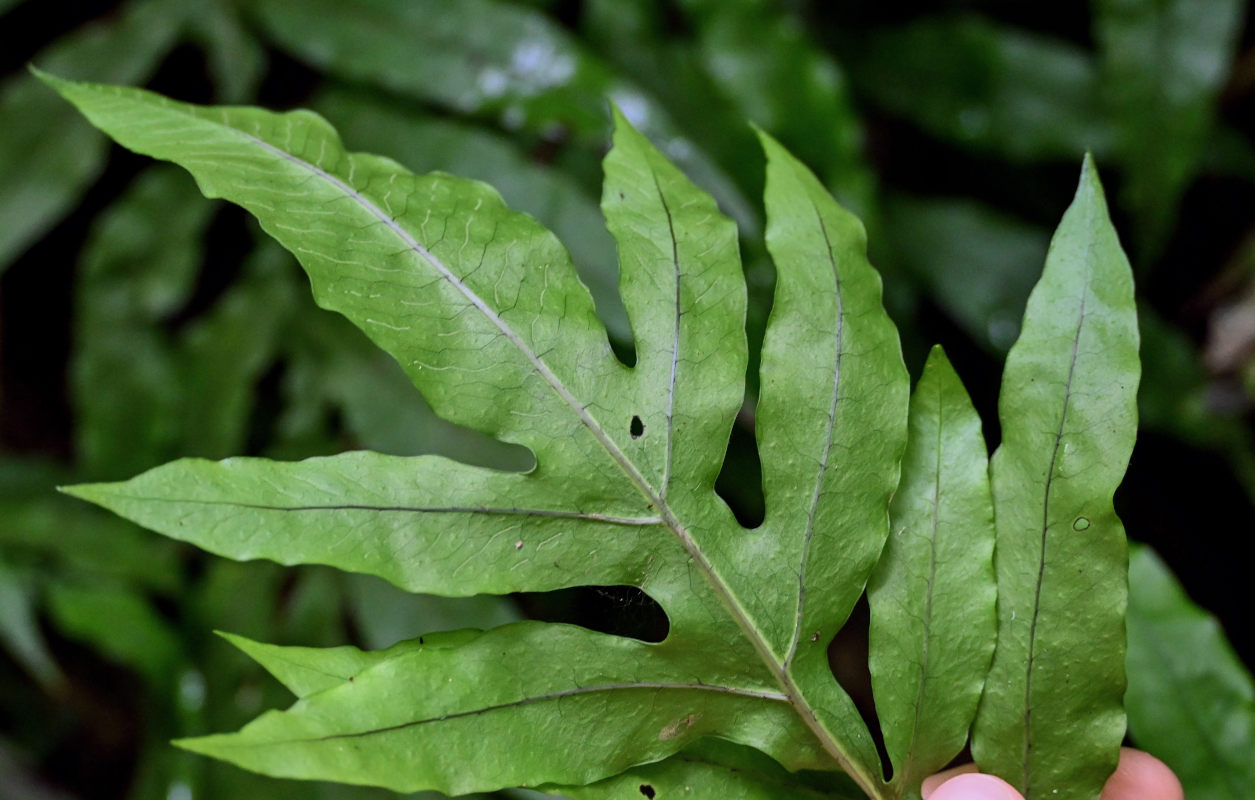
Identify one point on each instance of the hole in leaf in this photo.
(637, 428)
(740, 481)
(624, 350)
(616, 610)
(648, 790)
(1080, 524)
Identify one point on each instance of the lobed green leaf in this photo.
(483, 311)
(831, 426)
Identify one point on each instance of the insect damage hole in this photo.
(637, 428)
(648, 790)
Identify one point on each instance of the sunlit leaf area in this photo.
(762, 476)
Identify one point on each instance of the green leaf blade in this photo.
(933, 595)
(681, 282)
(361, 224)
(568, 706)
(829, 452)
(715, 768)
(1190, 702)
(309, 670)
(426, 524)
(493, 59)
(1068, 411)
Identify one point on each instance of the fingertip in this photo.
(975, 786)
(931, 783)
(1141, 776)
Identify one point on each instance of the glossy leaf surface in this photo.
(932, 594)
(543, 695)
(713, 768)
(1051, 718)
(485, 58)
(481, 308)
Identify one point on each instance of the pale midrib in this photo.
(823, 461)
(486, 510)
(926, 644)
(868, 783)
(675, 341)
(1041, 565)
(526, 701)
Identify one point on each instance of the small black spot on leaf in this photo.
(420, 640)
(648, 790)
(637, 428)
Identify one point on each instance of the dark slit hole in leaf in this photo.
(648, 790)
(637, 428)
(624, 350)
(616, 610)
(740, 481)
(847, 657)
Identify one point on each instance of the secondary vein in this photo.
(522, 512)
(823, 461)
(526, 701)
(1041, 564)
(675, 341)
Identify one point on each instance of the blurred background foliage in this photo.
(140, 322)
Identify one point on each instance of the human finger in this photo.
(933, 781)
(975, 786)
(1141, 776)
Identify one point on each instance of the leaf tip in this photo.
(622, 122)
(1090, 183)
(771, 146)
(239, 642)
(202, 745)
(83, 491)
(55, 82)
